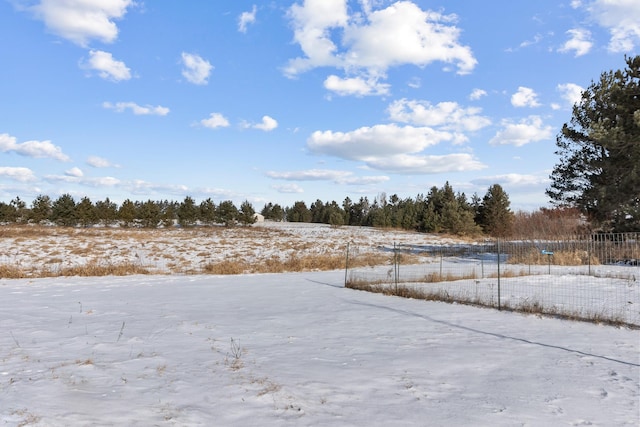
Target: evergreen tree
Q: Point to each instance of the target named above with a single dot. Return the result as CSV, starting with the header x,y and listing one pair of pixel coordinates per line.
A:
x,y
86,212
494,215
599,149
208,211
187,212
168,213
247,214
8,213
127,213
63,211
149,214
40,209
227,213
106,212
299,212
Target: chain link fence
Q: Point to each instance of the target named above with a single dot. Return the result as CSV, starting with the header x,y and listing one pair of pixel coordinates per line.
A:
x,y
594,278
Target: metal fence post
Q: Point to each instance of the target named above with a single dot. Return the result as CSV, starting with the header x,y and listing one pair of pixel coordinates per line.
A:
x,y
346,265
498,244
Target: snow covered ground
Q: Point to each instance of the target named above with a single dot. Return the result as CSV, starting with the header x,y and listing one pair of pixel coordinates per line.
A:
x,y
296,350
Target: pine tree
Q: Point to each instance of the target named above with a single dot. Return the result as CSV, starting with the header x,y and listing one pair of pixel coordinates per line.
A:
x,y
40,209
247,214
599,169
127,213
63,211
494,215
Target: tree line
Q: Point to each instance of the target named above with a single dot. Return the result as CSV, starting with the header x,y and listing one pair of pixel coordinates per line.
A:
x,y
441,210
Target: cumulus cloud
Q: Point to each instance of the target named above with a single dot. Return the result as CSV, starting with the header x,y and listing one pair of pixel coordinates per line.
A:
x,y
107,67
357,86
100,162
17,173
621,18
392,148
35,149
268,124
446,115
477,94
336,176
376,141
530,129
579,42
571,92
136,109
82,20
365,44
196,69
247,18
75,171
215,120
525,97
427,164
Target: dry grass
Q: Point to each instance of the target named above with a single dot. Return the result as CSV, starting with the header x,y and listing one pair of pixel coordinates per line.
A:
x,y
563,257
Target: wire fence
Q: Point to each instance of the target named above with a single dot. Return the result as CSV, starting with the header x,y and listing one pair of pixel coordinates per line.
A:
x,y
595,278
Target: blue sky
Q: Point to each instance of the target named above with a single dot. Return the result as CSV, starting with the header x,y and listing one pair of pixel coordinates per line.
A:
x,y
295,100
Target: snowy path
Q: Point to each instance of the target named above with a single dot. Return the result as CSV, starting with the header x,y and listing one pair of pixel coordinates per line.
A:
x,y
158,350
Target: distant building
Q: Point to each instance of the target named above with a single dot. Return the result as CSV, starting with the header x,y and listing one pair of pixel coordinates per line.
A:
x,y
258,217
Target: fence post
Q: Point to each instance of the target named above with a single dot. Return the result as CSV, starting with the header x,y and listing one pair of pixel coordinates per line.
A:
x,y
346,265
498,244
395,265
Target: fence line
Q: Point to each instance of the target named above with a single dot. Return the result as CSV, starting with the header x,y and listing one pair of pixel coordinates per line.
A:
x,y
593,278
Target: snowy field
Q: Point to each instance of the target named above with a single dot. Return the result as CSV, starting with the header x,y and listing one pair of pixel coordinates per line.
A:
x,y
609,293
296,350
292,349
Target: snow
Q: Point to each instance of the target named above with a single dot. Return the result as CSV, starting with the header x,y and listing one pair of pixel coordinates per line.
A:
x,y
296,350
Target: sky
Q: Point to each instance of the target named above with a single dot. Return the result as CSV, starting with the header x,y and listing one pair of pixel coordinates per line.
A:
x,y
284,101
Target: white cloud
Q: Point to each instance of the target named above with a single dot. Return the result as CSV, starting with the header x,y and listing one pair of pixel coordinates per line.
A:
x,y
82,20
196,69
530,129
17,173
366,45
571,92
514,180
107,67
477,94
579,42
99,162
137,109
146,188
622,19
338,177
35,149
105,181
288,188
525,97
267,124
246,18
392,148
215,120
75,172
446,115
355,86
376,141
426,164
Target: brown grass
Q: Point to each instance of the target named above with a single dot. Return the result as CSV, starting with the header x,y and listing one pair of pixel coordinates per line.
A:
x,y
566,257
